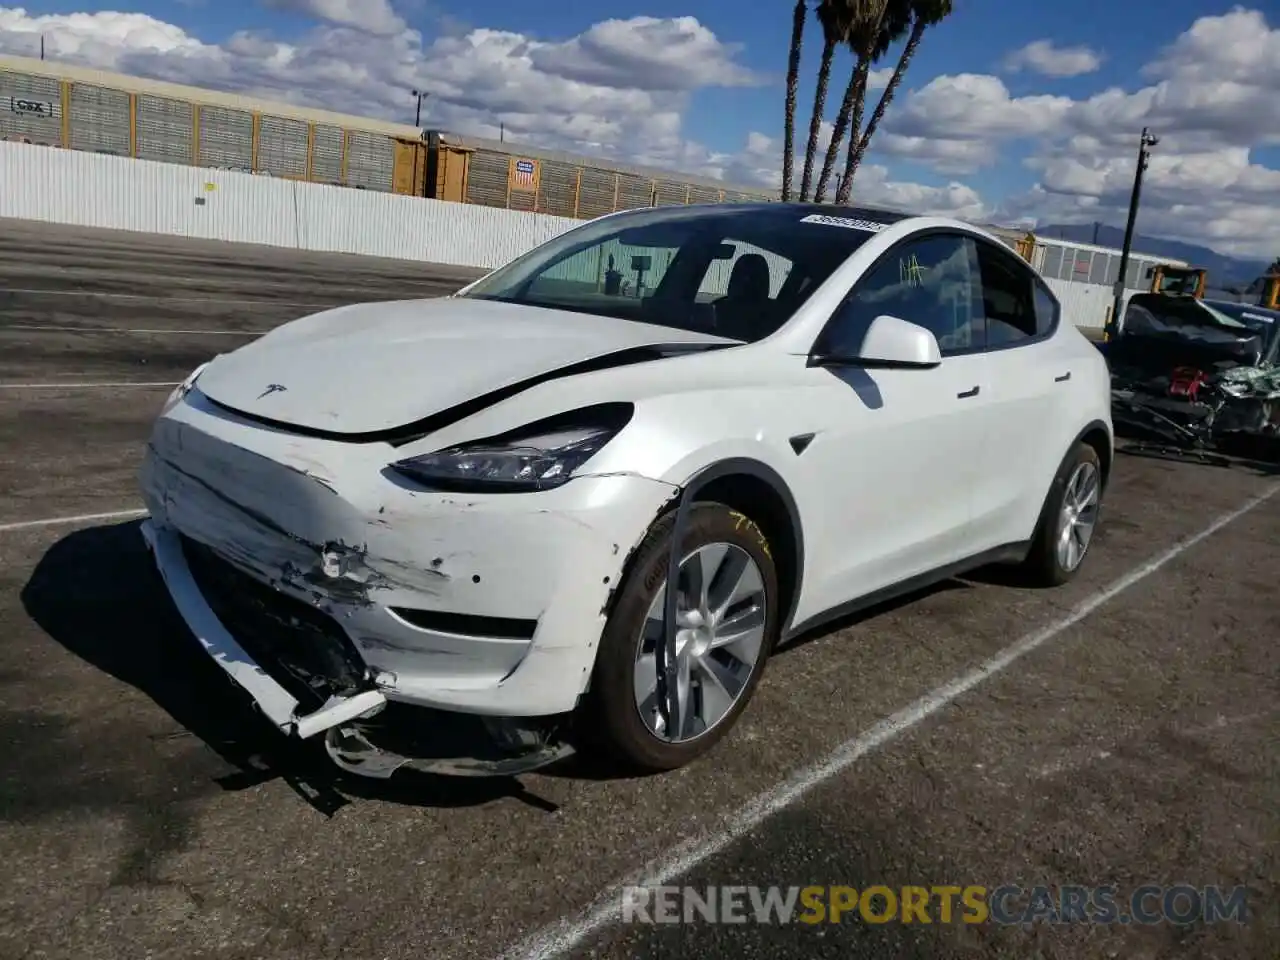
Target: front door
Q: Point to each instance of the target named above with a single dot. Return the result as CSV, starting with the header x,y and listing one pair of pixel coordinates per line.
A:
x,y
897,453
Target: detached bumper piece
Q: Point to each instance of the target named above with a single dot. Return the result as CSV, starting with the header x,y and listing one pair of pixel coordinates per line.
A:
x,y
450,744
305,675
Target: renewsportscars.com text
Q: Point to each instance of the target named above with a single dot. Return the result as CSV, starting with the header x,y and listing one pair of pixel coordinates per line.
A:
x,y
1009,904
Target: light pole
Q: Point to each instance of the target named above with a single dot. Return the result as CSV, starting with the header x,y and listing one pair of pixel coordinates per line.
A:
x,y
1145,143
421,95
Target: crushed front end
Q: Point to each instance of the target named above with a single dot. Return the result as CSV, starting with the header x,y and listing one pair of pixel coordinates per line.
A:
x,y
411,628
1197,379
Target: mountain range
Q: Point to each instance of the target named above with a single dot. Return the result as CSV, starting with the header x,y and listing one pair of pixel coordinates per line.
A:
x,y
1223,270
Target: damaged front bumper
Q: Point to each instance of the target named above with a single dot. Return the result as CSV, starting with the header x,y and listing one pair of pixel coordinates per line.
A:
x,y
353,739
336,596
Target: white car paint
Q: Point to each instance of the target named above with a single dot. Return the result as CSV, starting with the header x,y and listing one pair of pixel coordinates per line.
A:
x,y
902,476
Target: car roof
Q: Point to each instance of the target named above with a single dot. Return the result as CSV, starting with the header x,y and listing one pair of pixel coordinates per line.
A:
x,y
876,214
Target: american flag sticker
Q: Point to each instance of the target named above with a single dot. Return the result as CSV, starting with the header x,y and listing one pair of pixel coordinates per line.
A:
x,y
524,174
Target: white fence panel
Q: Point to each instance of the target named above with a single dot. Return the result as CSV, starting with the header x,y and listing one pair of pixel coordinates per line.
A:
x,y
342,220
1086,304
94,190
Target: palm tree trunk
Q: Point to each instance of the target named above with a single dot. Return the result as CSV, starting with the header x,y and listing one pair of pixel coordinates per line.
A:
x,y
851,164
855,123
837,135
793,82
815,124
854,97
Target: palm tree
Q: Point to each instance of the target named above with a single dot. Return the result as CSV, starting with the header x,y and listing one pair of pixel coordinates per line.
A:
x,y
923,14
793,81
876,25
835,18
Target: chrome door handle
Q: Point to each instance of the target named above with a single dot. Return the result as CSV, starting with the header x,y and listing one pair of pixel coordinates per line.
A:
x,y
968,393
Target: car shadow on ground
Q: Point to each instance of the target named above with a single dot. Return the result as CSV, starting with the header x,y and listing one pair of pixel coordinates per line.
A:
x,y
96,593
870,613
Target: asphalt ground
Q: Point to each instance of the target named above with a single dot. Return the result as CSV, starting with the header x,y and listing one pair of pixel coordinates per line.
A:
x,y
144,811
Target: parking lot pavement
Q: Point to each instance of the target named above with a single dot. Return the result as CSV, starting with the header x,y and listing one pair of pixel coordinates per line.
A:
x,y
145,811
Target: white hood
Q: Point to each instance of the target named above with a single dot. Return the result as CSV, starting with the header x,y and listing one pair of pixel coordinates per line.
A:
x,y
376,366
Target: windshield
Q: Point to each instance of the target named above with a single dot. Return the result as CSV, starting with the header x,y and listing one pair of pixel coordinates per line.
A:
x,y
1258,319
733,271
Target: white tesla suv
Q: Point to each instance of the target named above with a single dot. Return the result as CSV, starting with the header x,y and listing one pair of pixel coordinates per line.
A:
x,y
391,521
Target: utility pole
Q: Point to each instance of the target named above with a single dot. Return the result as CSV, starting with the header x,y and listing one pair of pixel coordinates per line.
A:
x,y
421,95
1145,143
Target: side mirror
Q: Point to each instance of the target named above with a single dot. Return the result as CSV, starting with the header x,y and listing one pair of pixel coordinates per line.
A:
x,y
890,342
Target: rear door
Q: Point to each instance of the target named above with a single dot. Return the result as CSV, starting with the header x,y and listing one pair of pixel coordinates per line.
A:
x,y
1032,397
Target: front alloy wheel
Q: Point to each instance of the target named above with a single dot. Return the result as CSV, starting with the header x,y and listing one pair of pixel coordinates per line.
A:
x,y
724,628
721,612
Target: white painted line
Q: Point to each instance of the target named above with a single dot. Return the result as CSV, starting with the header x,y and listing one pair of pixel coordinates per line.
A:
x,y
329,301
558,938
35,327
83,386
262,301
81,518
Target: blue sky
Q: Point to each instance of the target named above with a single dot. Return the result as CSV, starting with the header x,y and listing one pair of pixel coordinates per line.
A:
x,y
1067,157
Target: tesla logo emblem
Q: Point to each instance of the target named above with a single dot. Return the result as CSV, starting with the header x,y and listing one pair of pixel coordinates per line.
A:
x,y
272,388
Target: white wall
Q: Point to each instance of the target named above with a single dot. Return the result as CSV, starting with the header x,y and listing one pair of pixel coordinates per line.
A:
x,y
1086,304
94,190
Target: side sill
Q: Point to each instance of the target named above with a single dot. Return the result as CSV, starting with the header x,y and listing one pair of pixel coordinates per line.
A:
x,y
1008,553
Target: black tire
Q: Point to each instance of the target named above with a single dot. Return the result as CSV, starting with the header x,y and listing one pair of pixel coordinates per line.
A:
x,y
1042,566
610,724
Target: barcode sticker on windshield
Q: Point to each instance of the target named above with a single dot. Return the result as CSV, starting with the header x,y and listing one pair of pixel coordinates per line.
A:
x,y
850,222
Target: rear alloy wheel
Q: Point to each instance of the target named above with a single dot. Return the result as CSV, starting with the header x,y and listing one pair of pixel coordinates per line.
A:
x,y
1068,520
1078,516
724,626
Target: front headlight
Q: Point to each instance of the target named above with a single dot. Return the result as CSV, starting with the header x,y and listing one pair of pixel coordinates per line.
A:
x,y
182,389
538,457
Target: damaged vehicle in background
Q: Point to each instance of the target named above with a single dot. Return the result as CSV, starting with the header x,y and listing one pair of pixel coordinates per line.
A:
x,y
440,534
1198,377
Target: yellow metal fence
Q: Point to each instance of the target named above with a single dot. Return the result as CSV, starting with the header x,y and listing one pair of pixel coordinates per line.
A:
x,y
515,181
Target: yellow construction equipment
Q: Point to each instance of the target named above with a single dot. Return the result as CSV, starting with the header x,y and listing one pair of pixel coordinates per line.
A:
x,y
1178,281
1270,292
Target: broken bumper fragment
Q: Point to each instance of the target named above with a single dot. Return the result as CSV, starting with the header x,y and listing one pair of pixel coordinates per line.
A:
x,y
328,587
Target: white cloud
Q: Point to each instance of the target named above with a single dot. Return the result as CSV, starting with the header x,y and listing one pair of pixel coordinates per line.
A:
x,y
1211,98
96,38
645,52
375,16
957,123
1041,56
